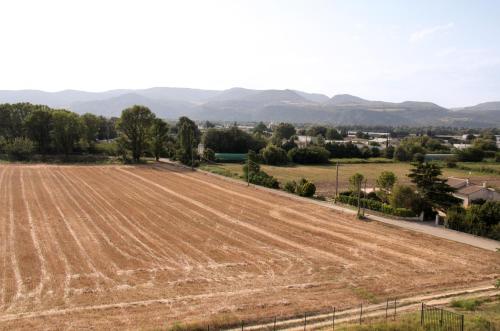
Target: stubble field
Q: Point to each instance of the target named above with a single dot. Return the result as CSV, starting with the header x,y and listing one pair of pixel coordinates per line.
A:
x,y
122,247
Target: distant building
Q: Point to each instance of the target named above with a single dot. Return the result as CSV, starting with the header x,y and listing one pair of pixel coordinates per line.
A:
x,y
468,192
461,146
304,141
464,136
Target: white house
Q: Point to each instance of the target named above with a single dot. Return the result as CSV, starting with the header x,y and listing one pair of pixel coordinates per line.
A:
x,y
304,141
468,192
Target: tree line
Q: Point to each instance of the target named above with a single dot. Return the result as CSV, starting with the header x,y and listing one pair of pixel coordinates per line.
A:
x,y
26,129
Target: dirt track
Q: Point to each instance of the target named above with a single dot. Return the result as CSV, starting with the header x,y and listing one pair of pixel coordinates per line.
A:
x,y
139,247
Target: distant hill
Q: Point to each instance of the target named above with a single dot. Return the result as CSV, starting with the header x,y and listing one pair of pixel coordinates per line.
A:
x,y
240,104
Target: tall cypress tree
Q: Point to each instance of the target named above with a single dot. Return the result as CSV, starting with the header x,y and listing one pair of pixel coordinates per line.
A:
x,y
433,189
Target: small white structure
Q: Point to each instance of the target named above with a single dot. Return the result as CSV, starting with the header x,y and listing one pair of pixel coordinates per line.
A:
x,y
201,149
461,146
468,192
304,141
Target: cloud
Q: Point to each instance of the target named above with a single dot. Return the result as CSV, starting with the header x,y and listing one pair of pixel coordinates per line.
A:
x,y
421,34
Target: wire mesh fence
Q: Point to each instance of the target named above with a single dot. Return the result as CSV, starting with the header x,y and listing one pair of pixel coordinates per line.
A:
x,y
431,319
438,319
361,314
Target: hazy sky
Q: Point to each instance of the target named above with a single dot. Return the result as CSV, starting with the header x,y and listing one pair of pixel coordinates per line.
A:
x,y
442,51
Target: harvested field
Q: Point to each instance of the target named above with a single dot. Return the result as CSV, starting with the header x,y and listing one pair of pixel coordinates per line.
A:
x,y
123,247
324,176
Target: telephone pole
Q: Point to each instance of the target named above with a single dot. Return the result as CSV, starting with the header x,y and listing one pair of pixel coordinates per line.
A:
x,y
365,197
337,183
192,157
359,199
248,168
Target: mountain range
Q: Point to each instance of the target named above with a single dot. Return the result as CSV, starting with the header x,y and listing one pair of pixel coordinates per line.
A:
x,y
240,104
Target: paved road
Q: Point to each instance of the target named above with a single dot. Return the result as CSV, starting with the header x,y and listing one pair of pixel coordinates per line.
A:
x,y
437,231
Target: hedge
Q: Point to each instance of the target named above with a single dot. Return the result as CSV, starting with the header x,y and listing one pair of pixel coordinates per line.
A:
x,y
376,206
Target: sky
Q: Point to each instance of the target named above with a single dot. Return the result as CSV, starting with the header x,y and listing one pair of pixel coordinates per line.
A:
x,y
446,52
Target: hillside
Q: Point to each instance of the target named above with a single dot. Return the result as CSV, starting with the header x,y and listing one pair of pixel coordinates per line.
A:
x,y
241,104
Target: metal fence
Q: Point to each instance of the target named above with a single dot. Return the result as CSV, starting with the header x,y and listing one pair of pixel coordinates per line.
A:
x,y
438,319
328,320
432,319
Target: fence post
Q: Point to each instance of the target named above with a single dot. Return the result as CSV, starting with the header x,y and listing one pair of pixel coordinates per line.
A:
x,y
274,328
462,323
241,325
386,309
333,319
361,313
422,315
441,318
394,318
305,321
208,327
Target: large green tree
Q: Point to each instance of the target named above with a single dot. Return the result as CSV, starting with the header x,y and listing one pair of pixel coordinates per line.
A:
x,y
159,135
91,127
232,140
385,183
284,131
135,128
188,137
333,134
432,188
66,131
39,126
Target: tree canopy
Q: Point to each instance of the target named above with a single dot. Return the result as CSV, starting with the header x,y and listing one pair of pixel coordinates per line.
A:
x,y
134,126
432,188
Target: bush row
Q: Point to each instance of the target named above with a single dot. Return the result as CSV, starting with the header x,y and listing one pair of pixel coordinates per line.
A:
x,y
376,206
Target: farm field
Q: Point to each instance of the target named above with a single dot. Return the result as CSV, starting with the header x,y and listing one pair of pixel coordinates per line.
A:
x,y
323,176
140,247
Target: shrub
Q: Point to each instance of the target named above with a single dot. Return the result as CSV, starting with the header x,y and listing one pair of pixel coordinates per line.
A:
x,y
451,164
309,155
471,154
375,205
263,179
107,148
495,233
274,155
403,196
481,220
20,148
252,165
209,154
186,158
401,154
290,186
343,150
355,182
419,157
306,190
467,304
3,144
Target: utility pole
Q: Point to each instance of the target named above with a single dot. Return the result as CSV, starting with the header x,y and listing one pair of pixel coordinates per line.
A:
x,y
337,183
248,168
365,197
359,199
192,157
